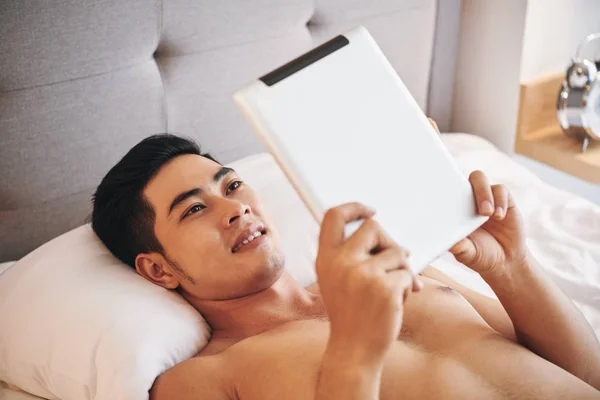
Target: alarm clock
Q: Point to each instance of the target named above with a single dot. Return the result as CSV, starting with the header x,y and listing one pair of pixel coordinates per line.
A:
x,y
578,106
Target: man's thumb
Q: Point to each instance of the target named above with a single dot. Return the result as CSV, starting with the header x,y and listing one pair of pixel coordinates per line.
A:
x,y
464,251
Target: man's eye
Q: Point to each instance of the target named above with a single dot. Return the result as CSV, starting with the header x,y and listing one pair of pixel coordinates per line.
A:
x,y
193,210
233,186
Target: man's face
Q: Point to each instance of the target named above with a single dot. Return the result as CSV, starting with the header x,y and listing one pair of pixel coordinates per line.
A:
x,y
214,232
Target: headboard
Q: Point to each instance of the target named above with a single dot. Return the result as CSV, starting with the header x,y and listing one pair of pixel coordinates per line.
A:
x,y
82,81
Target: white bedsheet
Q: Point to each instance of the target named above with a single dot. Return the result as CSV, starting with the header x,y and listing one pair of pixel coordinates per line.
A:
x,y
563,231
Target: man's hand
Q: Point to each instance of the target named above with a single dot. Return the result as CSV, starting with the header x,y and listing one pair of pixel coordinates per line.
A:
x,y
500,242
364,281
434,124
544,318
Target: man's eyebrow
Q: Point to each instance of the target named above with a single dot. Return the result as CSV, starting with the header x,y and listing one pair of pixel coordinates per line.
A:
x,y
182,197
196,191
222,172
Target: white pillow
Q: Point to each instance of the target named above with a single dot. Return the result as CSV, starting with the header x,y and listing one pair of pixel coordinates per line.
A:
x,y
10,392
6,265
78,324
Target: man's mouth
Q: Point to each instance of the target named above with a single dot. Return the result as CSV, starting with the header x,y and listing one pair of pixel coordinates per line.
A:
x,y
247,237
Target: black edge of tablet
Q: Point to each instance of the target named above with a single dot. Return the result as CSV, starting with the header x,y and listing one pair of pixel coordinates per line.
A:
x,y
304,60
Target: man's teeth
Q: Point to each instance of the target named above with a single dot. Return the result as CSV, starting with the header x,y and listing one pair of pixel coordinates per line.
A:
x,y
248,240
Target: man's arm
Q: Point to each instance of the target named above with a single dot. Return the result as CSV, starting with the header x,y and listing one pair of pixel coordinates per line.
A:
x,y
534,312
544,318
546,321
364,281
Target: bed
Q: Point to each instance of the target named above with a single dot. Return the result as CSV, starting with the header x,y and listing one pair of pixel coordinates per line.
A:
x,y
82,81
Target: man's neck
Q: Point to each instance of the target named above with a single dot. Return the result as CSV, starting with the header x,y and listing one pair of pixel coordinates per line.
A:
x,y
284,301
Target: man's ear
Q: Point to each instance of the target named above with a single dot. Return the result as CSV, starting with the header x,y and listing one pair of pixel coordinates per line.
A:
x,y
156,269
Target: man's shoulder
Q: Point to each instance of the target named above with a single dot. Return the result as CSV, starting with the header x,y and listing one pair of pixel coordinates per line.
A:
x,y
209,375
199,377
217,371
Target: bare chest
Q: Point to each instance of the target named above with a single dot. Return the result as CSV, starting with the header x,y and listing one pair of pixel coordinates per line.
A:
x,y
284,363
445,351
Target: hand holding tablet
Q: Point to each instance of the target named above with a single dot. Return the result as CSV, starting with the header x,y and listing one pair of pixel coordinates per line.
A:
x,y
344,128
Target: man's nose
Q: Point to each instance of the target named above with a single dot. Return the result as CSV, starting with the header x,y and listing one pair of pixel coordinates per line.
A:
x,y
234,210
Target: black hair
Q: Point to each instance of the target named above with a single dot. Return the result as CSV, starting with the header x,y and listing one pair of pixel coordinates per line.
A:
x,y
122,217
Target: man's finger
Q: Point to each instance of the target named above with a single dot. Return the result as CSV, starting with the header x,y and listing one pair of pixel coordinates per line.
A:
x,y
402,281
335,219
510,201
393,259
483,193
434,124
464,251
390,259
417,284
500,193
369,238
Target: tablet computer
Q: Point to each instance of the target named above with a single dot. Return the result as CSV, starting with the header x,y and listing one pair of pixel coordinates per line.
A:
x,y
343,128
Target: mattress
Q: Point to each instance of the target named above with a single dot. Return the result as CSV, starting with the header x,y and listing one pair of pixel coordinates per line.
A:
x,y
562,230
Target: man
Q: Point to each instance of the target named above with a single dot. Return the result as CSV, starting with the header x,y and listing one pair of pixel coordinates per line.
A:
x,y
369,329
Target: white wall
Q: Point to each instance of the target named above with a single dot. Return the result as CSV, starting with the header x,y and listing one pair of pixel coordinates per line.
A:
x,y
503,42
443,66
553,29
486,92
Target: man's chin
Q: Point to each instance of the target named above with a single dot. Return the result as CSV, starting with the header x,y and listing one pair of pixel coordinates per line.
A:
x,y
270,271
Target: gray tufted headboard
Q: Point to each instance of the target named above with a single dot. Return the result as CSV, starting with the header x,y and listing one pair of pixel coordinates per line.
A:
x,y
82,81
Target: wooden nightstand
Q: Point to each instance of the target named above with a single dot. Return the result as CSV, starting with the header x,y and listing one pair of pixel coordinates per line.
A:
x,y
540,137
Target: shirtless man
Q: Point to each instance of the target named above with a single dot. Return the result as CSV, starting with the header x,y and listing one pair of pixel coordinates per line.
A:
x,y
370,329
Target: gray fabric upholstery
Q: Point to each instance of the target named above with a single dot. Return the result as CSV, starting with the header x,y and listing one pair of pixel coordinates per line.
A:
x,y
403,29
199,88
48,41
191,26
82,81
